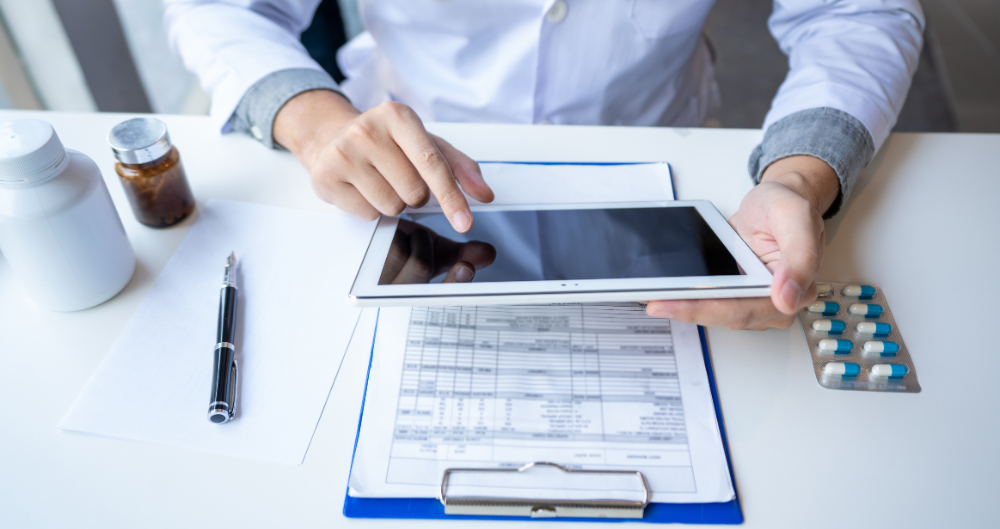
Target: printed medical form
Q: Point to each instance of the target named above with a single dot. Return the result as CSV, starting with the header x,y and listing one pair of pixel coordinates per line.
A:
x,y
588,386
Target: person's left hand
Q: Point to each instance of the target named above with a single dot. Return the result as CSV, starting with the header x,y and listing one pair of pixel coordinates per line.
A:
x,y
780,219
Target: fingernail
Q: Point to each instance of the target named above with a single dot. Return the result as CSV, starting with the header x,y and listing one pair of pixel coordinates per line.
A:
x,y
791,293
463,274
461,221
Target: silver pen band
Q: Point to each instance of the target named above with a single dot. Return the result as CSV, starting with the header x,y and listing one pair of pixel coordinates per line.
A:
x,y
220,345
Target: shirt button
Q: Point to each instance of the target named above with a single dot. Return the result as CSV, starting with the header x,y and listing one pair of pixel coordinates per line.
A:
x,y
557,12
256,132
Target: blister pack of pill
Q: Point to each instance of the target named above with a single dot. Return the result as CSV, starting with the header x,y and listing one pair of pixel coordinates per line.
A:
x,y
854,341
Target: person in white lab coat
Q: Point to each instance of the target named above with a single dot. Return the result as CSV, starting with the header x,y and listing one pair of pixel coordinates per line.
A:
x,y
594,62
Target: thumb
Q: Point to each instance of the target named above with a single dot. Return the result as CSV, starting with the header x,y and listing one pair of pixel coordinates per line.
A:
x,y
799,232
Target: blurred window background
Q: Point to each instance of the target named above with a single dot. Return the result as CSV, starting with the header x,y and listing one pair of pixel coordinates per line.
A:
x,y
112,56
93,55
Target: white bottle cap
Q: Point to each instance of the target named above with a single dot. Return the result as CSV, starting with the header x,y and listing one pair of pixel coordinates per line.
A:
x,y
30,152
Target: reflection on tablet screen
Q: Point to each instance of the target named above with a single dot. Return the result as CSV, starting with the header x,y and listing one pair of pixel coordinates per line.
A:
x,y
558,245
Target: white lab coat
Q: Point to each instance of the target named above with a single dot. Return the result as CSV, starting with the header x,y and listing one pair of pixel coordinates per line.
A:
x,y
609,62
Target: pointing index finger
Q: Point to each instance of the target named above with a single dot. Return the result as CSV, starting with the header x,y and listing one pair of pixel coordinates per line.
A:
x,y
409,133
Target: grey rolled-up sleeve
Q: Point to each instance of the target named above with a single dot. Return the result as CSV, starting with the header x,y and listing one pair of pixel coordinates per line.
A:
x,y
260,104
832,135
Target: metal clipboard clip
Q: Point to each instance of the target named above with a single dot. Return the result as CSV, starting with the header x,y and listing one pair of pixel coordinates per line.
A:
x,y
544,508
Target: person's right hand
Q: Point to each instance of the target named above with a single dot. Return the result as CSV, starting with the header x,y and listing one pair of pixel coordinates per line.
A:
x,y
379,161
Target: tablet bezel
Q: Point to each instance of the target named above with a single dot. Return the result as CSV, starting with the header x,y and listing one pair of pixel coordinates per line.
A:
x,y
366,291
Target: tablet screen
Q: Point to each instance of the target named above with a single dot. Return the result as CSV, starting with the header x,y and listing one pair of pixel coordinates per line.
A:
x,y
562,245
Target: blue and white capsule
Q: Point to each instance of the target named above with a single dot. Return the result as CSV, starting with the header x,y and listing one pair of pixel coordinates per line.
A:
x,y
830,327
865,310
824,290
859,291
876,348
837,347
826,308
889,371
841,369
874,328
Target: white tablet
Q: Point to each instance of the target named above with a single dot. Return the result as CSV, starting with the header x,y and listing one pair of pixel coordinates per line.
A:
x,y
559,253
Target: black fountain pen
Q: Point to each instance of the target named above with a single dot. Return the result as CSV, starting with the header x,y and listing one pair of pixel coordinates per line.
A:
x,y
225,375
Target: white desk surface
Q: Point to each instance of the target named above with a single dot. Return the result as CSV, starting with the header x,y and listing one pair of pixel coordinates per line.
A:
x,y
923,223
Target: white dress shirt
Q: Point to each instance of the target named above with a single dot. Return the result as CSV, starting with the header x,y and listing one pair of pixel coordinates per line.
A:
x,y
607,62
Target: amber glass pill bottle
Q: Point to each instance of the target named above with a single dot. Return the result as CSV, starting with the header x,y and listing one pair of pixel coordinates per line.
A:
x,y
151,172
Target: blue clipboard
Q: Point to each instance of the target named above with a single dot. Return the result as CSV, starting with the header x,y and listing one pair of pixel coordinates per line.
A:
x,y
431,508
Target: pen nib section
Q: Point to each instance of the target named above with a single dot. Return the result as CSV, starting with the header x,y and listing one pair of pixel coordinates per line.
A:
x,y
230,278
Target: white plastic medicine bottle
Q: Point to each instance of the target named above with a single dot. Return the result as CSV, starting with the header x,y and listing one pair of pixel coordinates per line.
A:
x,y
59,230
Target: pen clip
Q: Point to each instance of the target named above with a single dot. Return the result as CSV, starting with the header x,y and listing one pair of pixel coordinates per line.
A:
x,y
234,374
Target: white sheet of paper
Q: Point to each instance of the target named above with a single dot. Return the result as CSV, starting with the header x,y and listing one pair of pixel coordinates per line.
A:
x,y
591,386
294,323
524,183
